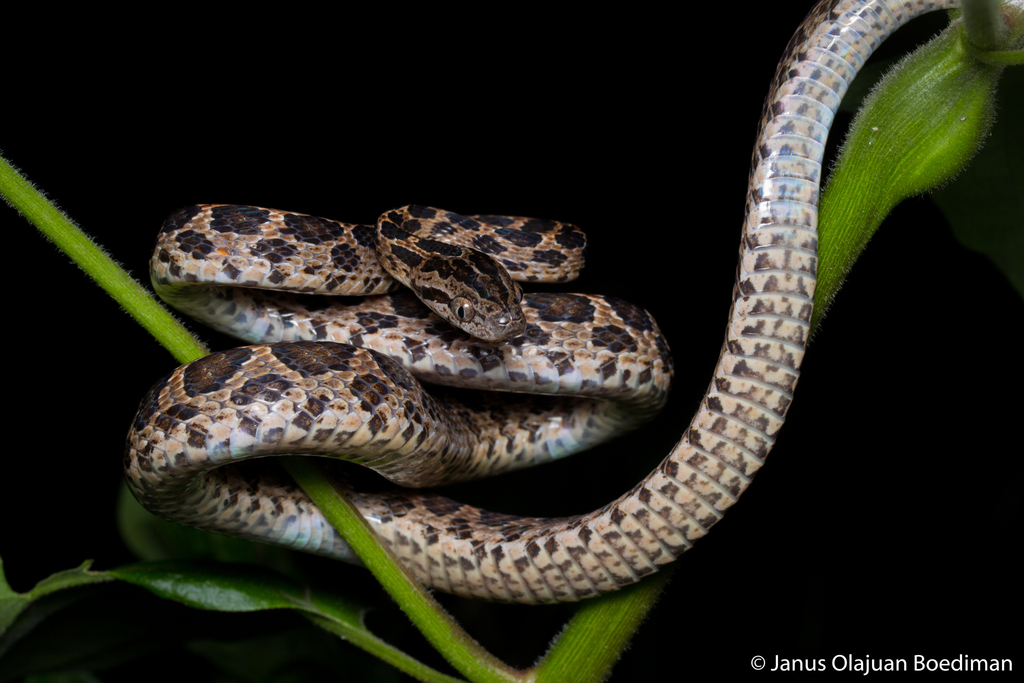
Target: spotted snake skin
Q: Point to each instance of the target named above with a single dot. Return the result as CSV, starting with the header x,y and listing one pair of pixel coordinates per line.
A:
x,y
470,552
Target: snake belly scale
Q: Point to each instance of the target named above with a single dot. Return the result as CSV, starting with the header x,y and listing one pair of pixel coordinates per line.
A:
x,y
292,394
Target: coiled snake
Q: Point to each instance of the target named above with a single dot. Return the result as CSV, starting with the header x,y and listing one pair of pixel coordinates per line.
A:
x,y
301,396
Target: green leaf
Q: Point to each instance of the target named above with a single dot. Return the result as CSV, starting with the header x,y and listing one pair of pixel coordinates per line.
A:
x,y
213,586
245,588
917,130
12,604
216,586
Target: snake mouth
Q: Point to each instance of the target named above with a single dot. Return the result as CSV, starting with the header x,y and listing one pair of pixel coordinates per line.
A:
x,y
502,329
510,327
507,322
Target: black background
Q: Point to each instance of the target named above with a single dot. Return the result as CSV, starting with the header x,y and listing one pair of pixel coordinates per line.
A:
x,y
884,522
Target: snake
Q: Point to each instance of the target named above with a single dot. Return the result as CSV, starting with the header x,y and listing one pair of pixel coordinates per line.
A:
x,y
327,378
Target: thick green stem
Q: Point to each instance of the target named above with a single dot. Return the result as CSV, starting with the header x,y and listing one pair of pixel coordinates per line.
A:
x,y
988,38
597,635
982,24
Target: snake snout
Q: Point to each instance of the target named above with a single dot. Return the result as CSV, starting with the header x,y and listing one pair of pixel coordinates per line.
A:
x,y
512,327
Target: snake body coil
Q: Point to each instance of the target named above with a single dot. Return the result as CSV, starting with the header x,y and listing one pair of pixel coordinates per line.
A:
x,y
302,396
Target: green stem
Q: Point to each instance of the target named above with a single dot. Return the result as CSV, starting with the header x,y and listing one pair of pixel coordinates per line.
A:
x,y
600,631
982,24
468,657
988,38
385,652
586,650
69,238
998,57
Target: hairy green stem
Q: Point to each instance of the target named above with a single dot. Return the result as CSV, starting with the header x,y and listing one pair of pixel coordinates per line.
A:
x,y
440,629
597,635
990,40
981,23
70,239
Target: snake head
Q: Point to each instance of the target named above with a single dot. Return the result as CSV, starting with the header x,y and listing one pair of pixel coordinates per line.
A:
x,y
472,292
463,285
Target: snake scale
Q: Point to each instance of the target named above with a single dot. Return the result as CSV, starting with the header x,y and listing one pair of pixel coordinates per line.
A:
x,y
296,395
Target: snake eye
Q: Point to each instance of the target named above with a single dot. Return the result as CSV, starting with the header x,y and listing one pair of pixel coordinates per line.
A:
x,y
519,295
462,308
